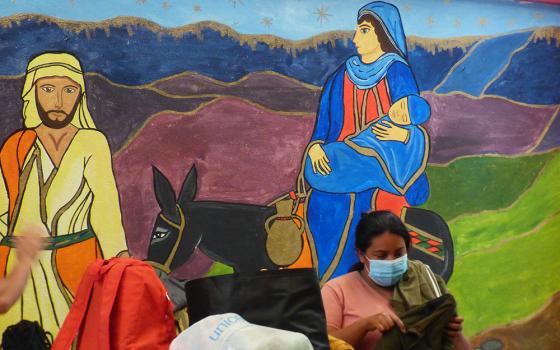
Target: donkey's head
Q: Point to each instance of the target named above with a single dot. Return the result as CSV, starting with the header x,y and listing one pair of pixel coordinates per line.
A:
x,y
170,243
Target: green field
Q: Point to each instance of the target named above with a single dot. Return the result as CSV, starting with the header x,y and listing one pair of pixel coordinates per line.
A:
x,y
509,281
486,229
506,264
474,184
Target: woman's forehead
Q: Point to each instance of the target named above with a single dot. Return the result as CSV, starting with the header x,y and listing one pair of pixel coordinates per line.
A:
x,y
387,240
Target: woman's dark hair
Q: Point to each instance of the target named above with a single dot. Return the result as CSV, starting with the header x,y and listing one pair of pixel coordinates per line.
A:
x,y
384,41
375,224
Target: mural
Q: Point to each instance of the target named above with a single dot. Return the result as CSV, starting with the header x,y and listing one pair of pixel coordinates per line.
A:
x,y
246,136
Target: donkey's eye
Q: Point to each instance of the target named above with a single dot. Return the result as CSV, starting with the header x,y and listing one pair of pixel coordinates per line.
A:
x,y
160,233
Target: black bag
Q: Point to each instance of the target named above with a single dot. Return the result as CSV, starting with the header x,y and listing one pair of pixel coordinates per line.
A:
x,y
288,299
26,335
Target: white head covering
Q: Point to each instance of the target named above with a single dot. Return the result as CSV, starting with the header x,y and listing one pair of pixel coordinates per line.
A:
x,y
51,65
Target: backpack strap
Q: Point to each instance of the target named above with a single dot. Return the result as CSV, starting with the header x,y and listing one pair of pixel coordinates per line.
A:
x,y
110,289
73,321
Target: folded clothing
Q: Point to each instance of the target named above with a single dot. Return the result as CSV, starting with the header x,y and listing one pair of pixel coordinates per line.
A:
x,y
231,332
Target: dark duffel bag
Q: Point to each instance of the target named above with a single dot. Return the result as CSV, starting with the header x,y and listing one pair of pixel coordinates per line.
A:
x,y
287,299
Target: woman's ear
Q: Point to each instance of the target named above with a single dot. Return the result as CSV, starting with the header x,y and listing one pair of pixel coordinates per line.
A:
x,y
361,256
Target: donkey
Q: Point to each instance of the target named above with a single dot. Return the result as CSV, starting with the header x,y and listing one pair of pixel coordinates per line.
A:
x,y
230,233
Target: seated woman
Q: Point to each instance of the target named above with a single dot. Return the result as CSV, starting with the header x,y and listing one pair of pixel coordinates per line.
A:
x,y
385,293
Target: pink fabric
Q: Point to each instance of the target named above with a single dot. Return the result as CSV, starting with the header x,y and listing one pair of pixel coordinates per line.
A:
x,y
349,298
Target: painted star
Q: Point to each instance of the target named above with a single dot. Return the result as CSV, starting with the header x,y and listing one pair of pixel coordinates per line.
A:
x,y
446,2
457,23
71,2
141,2
322,14
267,22
407,8
236,2
538,16
166,4
197,8
430,21
483,22
511,23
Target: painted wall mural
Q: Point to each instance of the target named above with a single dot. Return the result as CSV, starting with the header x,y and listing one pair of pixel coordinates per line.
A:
x,y
213,137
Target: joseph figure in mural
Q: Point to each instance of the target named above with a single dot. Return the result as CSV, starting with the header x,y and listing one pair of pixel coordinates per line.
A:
x,y
57,182
368,150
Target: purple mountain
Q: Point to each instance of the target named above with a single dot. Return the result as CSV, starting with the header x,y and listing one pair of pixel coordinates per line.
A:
x,y
269,89
462,125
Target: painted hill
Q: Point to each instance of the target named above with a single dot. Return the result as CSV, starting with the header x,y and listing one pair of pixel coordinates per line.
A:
x,y
165,51
431,63
532,75
462,125
552,137
148,52
268,89
474,184
490,245
242,152
483,63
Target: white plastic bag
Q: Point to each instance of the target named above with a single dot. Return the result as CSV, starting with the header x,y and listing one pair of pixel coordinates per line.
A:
x,y
231,332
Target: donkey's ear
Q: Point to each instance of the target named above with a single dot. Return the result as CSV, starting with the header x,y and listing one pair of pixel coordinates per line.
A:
x,y
188,191
165,195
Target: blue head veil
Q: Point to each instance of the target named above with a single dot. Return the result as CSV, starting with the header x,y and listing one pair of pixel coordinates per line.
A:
x,y
367,75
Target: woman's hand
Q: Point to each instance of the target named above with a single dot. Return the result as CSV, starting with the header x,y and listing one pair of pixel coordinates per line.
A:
x,y
28,248
384,321
454,327
399,112
455,334
319,160
387,131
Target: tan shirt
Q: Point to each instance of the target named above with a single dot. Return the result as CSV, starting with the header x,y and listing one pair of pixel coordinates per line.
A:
x,y
349,298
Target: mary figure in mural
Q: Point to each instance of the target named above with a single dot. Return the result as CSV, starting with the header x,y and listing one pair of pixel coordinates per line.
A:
x,y
368,150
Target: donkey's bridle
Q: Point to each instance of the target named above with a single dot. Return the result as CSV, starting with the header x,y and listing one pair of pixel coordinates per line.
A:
x,y
180,227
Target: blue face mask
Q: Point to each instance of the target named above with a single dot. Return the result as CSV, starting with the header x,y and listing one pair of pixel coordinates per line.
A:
x,y
387,273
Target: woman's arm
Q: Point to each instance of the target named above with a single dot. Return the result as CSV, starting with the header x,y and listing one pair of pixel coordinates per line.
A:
x,y
11,287
354,333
